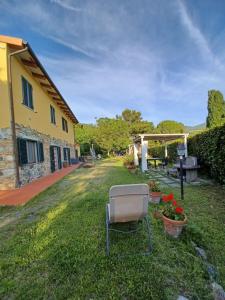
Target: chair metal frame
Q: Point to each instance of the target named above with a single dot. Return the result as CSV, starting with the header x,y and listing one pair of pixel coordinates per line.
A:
x,y
146,219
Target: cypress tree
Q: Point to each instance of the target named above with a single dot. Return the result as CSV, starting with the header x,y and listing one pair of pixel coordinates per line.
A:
x,y
216,109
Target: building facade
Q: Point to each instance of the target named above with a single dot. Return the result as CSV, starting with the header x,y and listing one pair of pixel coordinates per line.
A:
x,y
36,124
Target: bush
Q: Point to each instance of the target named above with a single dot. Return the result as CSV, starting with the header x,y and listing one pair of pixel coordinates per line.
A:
x,y
209,147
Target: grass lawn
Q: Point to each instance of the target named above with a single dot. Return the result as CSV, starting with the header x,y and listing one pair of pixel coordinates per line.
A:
x,y
54,247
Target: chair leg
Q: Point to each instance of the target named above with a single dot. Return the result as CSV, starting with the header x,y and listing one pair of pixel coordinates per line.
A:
x,y
107,232
148,225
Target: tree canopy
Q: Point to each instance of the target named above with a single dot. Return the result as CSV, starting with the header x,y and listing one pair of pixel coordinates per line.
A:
x,y
131,116
135,122
216,109
112,134
169,126
115,134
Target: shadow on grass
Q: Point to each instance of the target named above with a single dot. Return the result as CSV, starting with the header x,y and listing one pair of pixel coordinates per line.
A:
x,y
61,253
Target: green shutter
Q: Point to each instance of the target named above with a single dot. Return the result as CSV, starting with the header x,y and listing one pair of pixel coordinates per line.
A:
x,y
59,157
22,151
52,159
69,155
40,152
31,104
24,89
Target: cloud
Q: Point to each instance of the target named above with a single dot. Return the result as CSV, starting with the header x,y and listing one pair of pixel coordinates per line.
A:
x,y
126,54
196,34
66,5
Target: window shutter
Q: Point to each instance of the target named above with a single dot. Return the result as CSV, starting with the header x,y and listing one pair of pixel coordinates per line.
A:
x,y
24,88
22,152
59,158
69,155
18,149
64,154
40,152
52,159
31,96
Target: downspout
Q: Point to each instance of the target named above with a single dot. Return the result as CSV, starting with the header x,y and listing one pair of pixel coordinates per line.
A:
x,y
12,121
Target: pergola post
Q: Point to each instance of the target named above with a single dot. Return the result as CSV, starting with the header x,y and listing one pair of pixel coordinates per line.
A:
x,y
136,161
144,154
185,144
166,150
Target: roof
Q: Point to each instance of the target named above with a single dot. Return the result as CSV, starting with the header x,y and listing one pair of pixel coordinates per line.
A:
x,y
35,68
160,136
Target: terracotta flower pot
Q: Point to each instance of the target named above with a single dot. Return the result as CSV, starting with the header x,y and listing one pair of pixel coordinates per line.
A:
x,y
172,227
155,197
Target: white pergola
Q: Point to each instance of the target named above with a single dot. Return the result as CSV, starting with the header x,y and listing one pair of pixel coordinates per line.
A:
x,y
142,139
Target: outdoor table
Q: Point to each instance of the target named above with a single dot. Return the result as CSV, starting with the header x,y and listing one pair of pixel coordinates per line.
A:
x,y
155,159
191,172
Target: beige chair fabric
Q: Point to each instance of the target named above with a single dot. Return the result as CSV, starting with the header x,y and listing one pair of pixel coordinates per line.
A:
x,y
128,202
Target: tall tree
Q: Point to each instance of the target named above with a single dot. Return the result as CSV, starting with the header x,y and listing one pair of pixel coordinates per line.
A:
x,y
112,134
216,109
169,126
85,133
131,116
135,122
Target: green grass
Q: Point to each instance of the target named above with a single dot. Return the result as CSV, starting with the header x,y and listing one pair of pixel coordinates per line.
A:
x,y
54,247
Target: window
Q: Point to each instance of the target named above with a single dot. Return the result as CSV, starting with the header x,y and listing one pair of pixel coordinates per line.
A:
x,y
64,125
27,93
29,151
52,114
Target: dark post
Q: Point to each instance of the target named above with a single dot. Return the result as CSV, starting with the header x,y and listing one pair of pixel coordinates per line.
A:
x,y
181,178
181,153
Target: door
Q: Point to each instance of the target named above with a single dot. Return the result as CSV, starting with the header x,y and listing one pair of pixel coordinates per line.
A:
x,y
55,158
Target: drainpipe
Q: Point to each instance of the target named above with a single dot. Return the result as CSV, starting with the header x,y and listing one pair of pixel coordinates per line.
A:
x,y
12,121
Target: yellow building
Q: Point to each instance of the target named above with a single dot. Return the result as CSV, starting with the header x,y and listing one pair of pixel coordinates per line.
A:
x,y
36,124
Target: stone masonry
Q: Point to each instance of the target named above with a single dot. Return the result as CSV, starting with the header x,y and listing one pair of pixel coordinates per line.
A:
x,y
7,164
28,172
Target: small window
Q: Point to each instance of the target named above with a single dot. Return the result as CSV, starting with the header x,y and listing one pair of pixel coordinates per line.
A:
x,y
27,93
64,125
52,114
31,151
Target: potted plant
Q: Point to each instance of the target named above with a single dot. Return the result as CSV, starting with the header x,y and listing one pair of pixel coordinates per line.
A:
x,y
155,194
173,216
65,164
129,163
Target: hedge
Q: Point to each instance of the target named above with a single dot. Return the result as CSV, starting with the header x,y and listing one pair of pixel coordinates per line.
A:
x,y
208,147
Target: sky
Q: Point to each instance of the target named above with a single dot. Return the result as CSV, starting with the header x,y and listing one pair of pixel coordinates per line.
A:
x,y
158,57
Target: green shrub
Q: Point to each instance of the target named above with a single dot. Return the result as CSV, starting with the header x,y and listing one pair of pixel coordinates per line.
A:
x,y
128,160
209,147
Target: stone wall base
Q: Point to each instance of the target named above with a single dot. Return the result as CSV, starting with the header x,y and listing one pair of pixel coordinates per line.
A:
x,y
28,172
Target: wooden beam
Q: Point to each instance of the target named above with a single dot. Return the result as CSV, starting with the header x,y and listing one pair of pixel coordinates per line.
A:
x,y
45,85
40,76
29,63
57,99
52,93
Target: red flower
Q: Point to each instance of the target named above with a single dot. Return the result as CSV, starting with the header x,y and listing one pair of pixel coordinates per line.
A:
x,y
179,210
174,203
165,198
170,197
